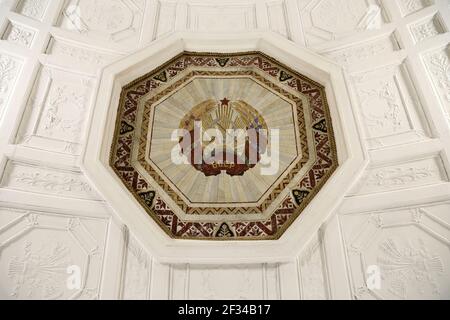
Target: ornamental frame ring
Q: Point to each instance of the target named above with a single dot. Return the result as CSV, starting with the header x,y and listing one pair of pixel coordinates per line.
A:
x,y
352,157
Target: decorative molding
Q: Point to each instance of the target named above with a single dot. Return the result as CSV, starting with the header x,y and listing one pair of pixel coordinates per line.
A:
x,y
278,18
138,272
166,18
56,111
439,68
410,247
34,9
9,72
427,29
38,248
60,50
402,175
34,178
408,7
327,20
390,109
222,18
226,282
117,21
312,273
405,263
372,48
19,34
410,244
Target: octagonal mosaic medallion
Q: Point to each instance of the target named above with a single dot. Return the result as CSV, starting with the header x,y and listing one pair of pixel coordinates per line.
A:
x,y
223,146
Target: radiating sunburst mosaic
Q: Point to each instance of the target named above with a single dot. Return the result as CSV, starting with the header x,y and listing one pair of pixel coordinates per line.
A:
x,y
275,152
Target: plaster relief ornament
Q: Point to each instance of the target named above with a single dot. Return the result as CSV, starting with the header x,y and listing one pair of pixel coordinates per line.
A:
x,y
223,146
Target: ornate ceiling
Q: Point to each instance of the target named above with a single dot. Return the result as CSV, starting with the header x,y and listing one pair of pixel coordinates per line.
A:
x,y
232,197
384,66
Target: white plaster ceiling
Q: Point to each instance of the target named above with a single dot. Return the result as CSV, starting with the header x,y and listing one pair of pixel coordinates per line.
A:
x,y
395,54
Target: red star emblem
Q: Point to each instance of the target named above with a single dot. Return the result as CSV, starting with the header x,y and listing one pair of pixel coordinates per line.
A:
x,y
225,101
